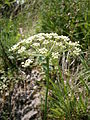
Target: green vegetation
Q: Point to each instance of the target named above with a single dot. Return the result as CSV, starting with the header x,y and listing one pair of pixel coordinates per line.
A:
x,y
55,36
67,17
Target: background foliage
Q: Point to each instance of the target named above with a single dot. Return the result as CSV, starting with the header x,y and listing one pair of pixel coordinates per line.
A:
x,y
67,17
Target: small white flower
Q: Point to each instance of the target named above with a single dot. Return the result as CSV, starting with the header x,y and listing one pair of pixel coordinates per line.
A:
x,y
22,49
57,37
36,44
4,86
43,51
73,44
64,38
69,94
55,55
54,34
59,44
48,36
46,42
77,51
14,47
22,63
27,63
28,41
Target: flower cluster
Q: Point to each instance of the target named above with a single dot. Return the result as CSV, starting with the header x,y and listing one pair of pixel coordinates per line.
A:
x,y
27,63
45,44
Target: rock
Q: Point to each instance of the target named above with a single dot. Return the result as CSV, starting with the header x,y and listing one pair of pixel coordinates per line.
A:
x,y
36,102
26,98
29,115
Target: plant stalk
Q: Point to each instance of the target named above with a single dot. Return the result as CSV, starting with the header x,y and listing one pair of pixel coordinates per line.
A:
x,y
47,86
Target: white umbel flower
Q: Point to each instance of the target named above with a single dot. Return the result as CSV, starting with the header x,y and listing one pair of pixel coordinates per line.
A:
x,y
45,44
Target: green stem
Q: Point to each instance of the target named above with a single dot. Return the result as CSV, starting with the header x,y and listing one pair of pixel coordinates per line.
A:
x,y
47,85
